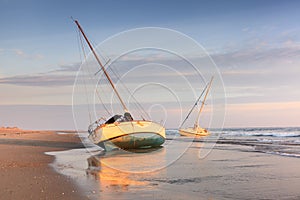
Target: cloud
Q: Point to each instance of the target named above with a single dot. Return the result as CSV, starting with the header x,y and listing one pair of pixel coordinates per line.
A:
x,y
261,65
261,70
267,45
258,54
22,54
246,29
73,67
19,52
65,74
62,76
39,80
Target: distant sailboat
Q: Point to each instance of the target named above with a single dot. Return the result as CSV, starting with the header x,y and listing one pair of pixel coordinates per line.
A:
x,y
196,130
122,130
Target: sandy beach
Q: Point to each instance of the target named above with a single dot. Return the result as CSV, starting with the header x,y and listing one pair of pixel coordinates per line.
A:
x,y
25,172
234,169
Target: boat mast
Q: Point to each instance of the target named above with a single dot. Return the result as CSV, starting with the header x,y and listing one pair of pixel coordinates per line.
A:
x,y
197,119
102,67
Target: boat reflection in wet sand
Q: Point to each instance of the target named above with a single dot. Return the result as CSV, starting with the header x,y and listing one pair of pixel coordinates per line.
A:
x,y
109,178
116,170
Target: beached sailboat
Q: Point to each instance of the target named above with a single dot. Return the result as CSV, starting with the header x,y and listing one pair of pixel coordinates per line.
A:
x,y
123,131
196,131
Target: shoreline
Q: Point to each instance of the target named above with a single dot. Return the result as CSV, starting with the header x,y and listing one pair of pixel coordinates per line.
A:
x,y
25,168
229,171
229,168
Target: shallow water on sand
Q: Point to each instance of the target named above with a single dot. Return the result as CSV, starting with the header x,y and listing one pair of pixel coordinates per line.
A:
x,y
234,169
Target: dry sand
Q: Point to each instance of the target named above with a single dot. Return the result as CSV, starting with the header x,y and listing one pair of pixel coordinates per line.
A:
x,y
25,172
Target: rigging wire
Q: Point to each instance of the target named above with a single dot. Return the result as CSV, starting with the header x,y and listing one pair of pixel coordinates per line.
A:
x,y
84,82
90,74
103,94
196,103
138,106
136,103
106,60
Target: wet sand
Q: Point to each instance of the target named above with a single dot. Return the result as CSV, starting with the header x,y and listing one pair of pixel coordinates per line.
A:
x,y
231,171
25,172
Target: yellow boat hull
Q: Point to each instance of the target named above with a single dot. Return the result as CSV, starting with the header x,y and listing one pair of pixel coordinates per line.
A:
x,y
129,135
192,132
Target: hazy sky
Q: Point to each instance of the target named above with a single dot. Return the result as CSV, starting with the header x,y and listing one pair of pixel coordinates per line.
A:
x,y
255,44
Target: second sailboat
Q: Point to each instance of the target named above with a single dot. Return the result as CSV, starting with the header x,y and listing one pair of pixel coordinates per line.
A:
x,y
197,130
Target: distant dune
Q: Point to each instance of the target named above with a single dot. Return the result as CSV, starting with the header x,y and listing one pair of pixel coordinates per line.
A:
x,y
15,130
4,130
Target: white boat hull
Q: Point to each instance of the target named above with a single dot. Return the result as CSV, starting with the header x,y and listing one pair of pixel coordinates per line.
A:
x,y
129,135
192,132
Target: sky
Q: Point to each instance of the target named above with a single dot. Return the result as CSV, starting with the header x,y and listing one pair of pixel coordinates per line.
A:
x,y
254,44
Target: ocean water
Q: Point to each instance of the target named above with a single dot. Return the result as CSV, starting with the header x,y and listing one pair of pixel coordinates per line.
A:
x,y
283,141
279,141
238,163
